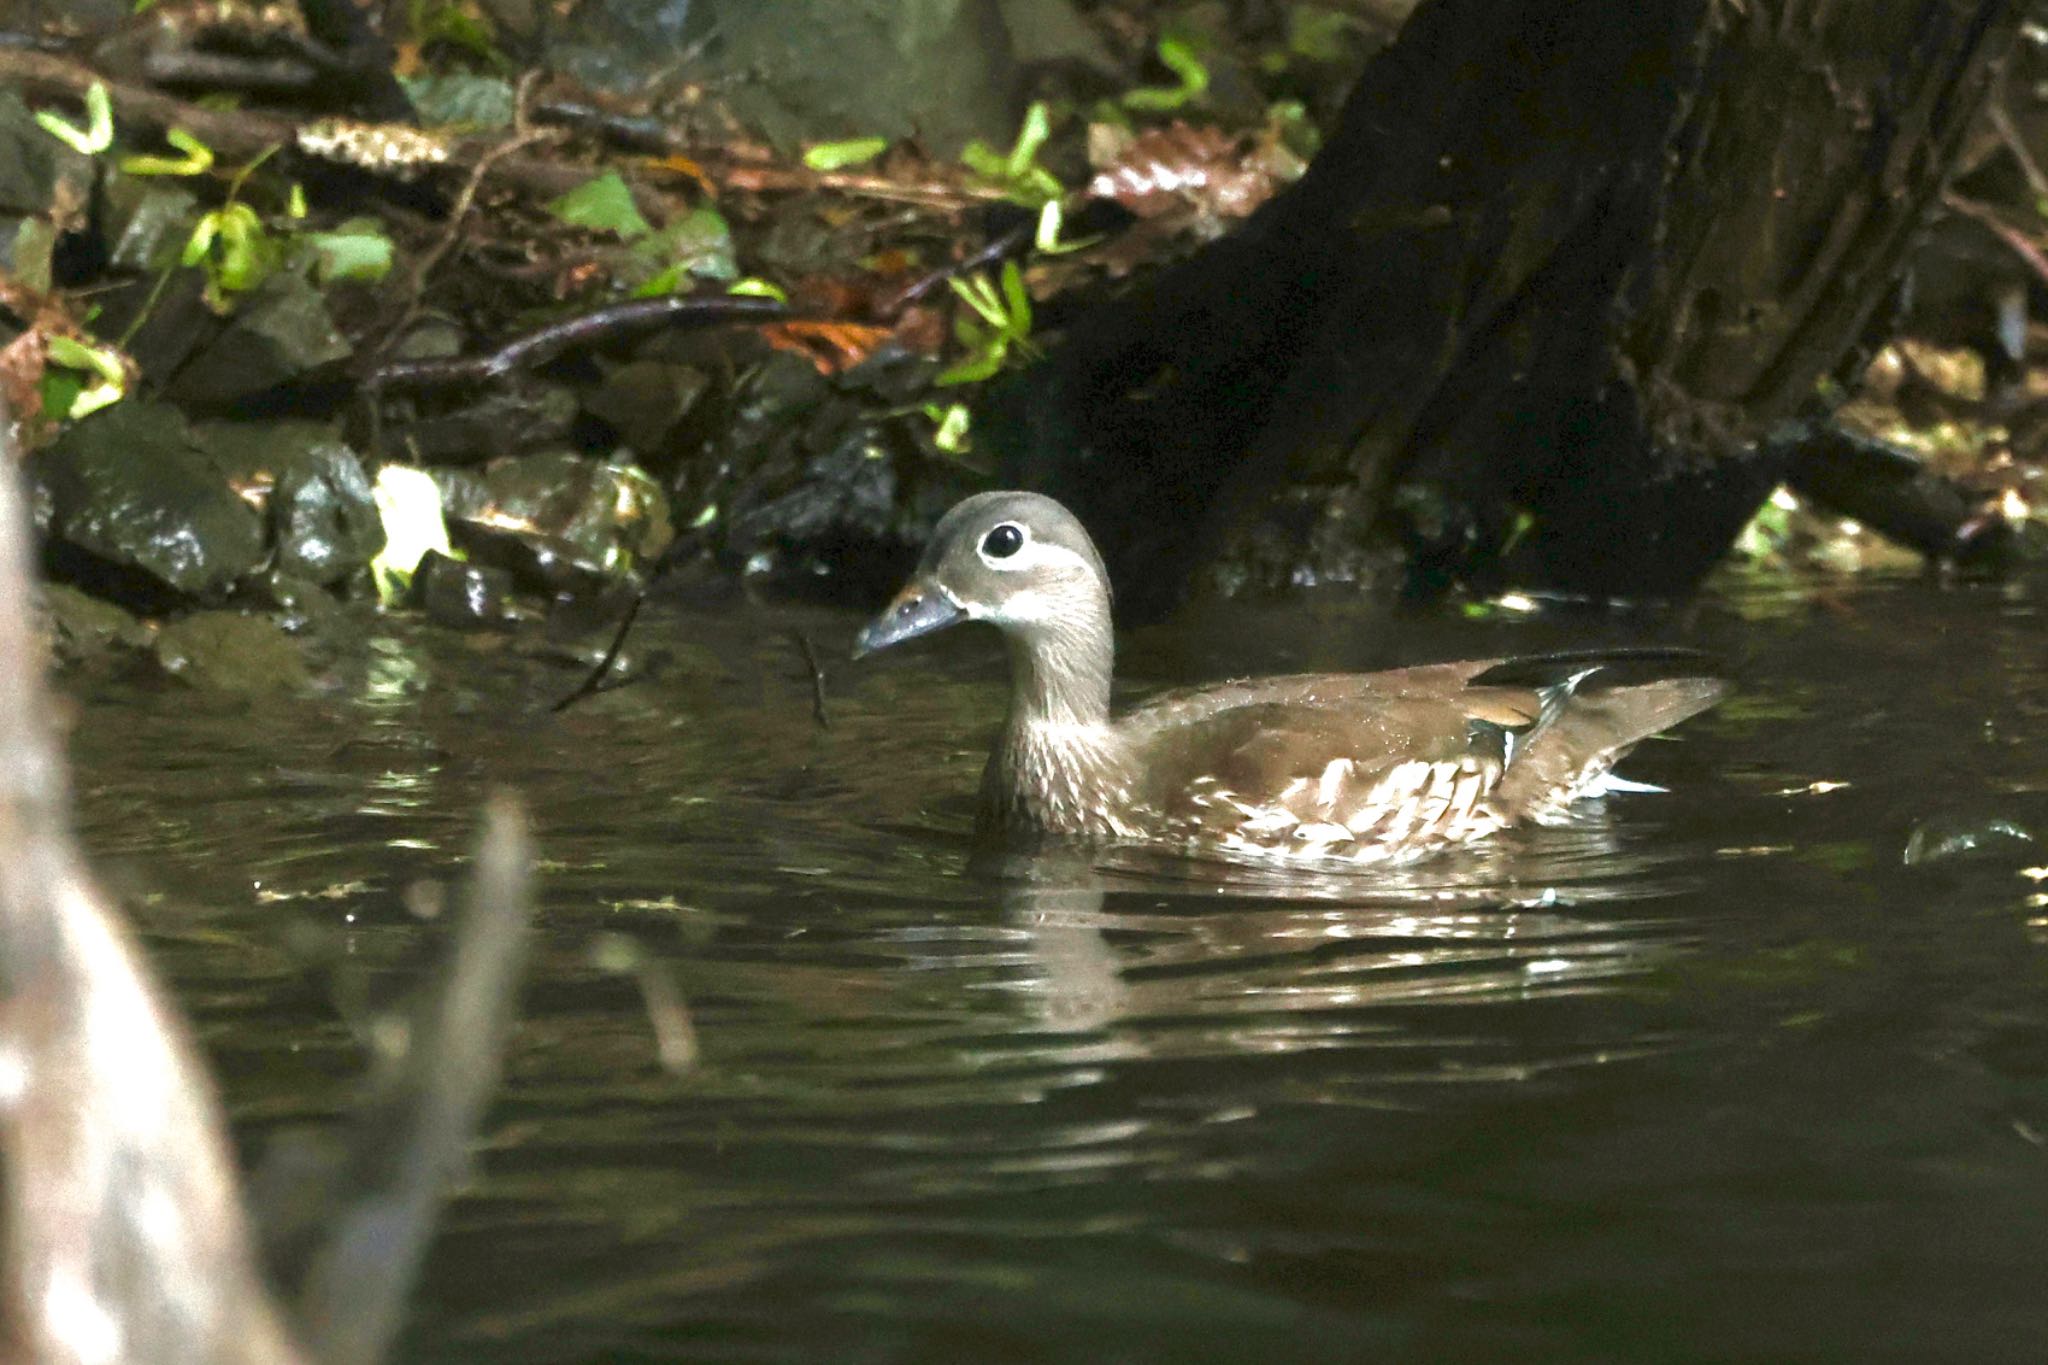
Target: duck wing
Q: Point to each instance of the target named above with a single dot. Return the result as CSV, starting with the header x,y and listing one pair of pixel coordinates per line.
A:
x,y
1370,765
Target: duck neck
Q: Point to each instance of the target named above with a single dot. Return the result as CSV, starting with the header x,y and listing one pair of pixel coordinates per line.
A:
x,y
1059,765
1059,675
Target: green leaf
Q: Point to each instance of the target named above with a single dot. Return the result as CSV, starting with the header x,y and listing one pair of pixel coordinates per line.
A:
x,y
197,158
757,288
357,250
833,156
952,426
97,360
661,282
698,244
975,368
1179,58
460,99
604,204
87,379
409,505
59,390
1017,172
243,259
1031,139
98,133
201,240
1018,298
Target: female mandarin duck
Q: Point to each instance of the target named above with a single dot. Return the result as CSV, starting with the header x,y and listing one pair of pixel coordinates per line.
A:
x,y
1358,766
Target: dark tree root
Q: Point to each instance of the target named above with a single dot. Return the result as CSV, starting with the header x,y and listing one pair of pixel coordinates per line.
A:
x,y
1894,494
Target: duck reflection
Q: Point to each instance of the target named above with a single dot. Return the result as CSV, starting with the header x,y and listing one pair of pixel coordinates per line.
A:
x,y
1173,957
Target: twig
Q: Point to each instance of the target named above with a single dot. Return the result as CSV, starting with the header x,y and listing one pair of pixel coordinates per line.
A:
x,y
409,1145
593,683
2023,246
1002,248
523,134
2001,121
803,644
544,343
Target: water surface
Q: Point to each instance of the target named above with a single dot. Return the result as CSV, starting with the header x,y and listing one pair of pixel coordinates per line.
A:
x,y
1711,1075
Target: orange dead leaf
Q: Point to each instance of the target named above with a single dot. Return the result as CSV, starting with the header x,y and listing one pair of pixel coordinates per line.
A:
x,y
678,164
831,346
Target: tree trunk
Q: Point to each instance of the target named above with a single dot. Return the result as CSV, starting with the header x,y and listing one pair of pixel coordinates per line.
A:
x,y
1533,311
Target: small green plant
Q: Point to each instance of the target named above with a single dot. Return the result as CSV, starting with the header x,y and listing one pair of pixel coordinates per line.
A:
x,y
231,245
197,158
80,379
1004,326
835,156
952,429
1017,172
1177,56
98,133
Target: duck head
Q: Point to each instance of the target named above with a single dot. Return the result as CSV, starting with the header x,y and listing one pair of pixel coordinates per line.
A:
x,y
1019,561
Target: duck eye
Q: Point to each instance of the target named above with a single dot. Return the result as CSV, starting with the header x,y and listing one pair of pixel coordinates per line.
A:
x,y
1004,541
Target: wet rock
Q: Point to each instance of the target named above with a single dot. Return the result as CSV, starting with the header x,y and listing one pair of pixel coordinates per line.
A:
x,y
40,176
453,592
321,512
128,487
938,70
1942,838
561,521
643,400
28,251
497,424
893,373
281,330
164,326
224,651
146,221
299,605
84,627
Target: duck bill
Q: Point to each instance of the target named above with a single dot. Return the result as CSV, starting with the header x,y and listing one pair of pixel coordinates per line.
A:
x,y
919,609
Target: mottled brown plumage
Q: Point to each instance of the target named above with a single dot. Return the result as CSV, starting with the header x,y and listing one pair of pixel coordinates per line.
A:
x,y
1356,766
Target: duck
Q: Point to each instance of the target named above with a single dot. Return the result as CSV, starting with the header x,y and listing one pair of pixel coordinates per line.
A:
x,y
1352,767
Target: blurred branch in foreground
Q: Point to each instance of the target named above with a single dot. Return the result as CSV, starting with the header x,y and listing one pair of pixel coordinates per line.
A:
x,y
122,1230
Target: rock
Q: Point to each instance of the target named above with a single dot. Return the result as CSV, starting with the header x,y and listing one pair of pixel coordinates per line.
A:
x,y
466,596
40,177
127,486
812,70
299,605
224,651
82,626
281,330
164,326
322,514
148,220
499,422
644,399
570,520
1943,837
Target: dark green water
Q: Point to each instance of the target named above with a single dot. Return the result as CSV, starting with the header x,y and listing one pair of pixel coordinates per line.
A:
x,y
1715,1075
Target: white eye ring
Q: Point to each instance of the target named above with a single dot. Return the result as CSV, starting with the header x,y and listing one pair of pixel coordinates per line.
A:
x,y
998,549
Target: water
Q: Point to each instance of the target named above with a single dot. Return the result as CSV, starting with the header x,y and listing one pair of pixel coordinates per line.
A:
x,y
1711,1075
